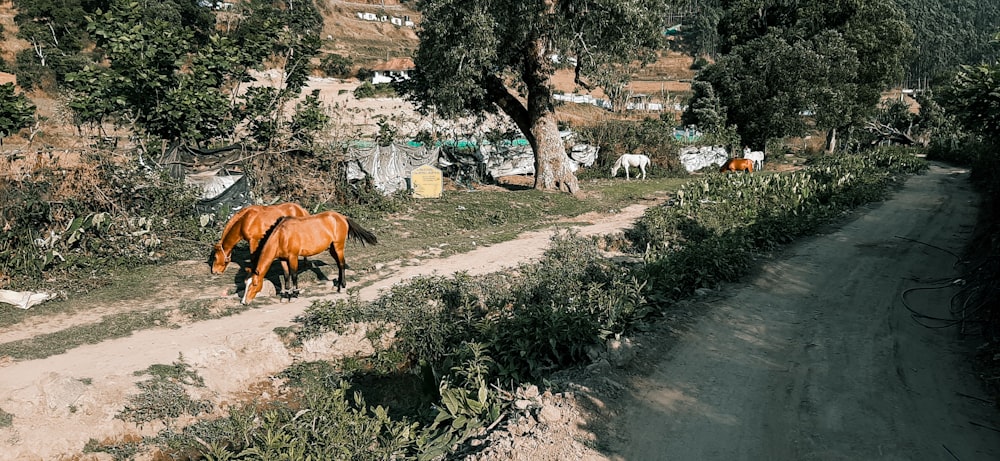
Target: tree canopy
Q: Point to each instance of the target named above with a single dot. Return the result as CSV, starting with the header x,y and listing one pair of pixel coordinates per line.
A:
x,y
780,61
174,77
972,97
949,33
500,55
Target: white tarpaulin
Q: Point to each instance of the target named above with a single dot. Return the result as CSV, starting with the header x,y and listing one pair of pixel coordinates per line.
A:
x,y
23,299
388,166
696,158
210,183
463,161
508,161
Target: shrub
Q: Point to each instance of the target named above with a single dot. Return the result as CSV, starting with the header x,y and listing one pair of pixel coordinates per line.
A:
x,y
710,233
462,332
16,111
364,90
101,216
335,65
651,136
368,90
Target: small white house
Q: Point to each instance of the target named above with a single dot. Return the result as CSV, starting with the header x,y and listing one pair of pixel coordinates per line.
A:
x,y
388,71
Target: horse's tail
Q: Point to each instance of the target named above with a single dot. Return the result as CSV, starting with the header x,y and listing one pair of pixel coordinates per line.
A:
x,y
359,233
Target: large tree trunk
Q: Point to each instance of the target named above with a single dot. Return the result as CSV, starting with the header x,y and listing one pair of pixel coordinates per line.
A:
x,y
552,165
537,121
831,140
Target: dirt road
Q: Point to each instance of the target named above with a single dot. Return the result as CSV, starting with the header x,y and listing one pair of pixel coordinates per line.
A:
x,y
816,358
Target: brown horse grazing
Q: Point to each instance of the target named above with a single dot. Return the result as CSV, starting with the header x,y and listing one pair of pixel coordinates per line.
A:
x,y
305,236
737,164
250,224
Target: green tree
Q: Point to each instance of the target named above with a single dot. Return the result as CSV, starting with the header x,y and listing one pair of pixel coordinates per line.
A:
x,y
705,109
699,36
308,120
335,65
57,32
174,78
477,57
949,33
782,60
16,111
973,98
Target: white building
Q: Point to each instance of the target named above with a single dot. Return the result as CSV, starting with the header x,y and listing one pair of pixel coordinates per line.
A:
x,y
398,68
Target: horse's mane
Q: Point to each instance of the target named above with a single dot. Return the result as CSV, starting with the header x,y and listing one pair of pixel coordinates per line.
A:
x,y
255,256
233,222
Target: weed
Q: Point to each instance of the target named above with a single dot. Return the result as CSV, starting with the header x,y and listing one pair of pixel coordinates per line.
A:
x,y
115,326
6,419
119,451
162,397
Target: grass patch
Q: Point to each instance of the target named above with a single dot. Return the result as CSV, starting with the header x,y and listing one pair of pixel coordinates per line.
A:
x,y
163,396
6,419
460,221
112,326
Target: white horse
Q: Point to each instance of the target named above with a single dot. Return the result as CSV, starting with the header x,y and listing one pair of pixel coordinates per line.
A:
x,y
757,157
628,160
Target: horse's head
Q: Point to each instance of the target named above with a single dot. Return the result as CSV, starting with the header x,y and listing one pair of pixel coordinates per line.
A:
x,y
253,285
220,259
614,170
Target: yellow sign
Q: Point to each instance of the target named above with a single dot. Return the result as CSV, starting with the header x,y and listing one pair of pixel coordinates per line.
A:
x,y
427,182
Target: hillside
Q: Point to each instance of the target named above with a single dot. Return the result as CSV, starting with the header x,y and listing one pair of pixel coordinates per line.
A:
x,y
366,43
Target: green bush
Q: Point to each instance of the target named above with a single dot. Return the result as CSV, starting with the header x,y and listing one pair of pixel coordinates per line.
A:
x,y
652,137
369,90
101,216
6,419
16,111
335,65
718,222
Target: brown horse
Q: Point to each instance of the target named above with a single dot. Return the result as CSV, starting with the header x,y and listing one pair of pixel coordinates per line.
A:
x,y
305,236
737,164
250,224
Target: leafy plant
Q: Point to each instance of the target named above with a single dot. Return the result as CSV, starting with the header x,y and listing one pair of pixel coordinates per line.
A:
x,y
335,65
6,419
163,397
308,120
16,111
467,404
